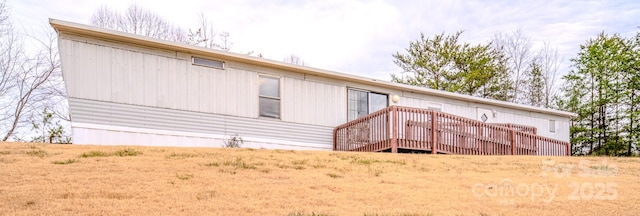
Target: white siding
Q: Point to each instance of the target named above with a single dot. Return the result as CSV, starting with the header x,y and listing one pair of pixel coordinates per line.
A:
x,y
115,135
503,115
313,102
131,119
132,76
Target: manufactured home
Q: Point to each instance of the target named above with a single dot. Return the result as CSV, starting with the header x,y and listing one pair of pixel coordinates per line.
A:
x,y
127,89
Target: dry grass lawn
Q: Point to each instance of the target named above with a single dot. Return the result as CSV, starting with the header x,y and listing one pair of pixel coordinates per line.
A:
x,y
39,179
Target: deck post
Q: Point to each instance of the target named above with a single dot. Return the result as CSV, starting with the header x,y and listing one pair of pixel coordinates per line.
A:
x,y
481,144
394,139
513,141
335,139
434,132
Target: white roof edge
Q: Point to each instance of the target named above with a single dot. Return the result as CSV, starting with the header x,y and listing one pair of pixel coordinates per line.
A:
x,y
71,27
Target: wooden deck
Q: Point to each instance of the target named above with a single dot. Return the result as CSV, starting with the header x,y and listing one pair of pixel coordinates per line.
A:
x,y
403,129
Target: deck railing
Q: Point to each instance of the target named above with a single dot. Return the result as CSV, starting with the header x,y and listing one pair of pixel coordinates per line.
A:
x,y
407,128
517,127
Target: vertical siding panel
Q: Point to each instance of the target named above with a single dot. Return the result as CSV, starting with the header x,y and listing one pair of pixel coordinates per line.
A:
x,y
150,77
315,100
341,108
118,76
306,99
323,91
563,130
103,62
325,105
108,75
311,102
68,53
163,73
214,80
232,97
193,75
287,98
204,90
86,60
293,103
333,112
80,60
137,78
219,80
238,93
291,100
300,102
252,95
127,91
178,85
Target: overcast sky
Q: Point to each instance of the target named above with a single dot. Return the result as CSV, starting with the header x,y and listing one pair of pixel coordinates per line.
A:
x,y
359,37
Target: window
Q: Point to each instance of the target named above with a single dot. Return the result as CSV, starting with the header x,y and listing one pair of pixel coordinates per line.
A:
x,y
269,97
207,62
362,102
552,126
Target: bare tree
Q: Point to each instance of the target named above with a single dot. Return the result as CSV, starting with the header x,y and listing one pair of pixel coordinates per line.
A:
x,y
225,43
549,63
295,59
517,49
105,17
10,49
36,86
206,34
137,20
30,82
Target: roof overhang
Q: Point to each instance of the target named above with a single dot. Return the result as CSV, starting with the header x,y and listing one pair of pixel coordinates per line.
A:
x,y
92,31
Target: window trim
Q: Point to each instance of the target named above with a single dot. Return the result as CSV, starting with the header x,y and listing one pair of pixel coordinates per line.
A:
x,y
193,62
270,97
553,129
368,98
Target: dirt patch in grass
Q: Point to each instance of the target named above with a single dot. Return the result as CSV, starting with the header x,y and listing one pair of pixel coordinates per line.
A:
x,y
51,180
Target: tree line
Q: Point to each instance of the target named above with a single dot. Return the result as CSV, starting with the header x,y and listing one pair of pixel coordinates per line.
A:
x,y
603,87
507,68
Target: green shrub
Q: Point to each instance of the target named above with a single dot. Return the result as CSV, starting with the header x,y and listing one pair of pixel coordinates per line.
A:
x,y
299,162
182,155
185,176
38,153
95,154
70,161
333,175
214,164
127,152
239,163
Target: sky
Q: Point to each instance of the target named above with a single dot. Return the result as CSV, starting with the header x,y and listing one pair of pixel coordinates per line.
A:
x,y
359,37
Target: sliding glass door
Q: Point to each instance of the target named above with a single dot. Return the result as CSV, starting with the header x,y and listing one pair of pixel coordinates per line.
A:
x,y
362,102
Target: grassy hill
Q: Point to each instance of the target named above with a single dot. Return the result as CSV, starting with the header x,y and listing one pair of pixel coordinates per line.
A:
x,y
39,179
